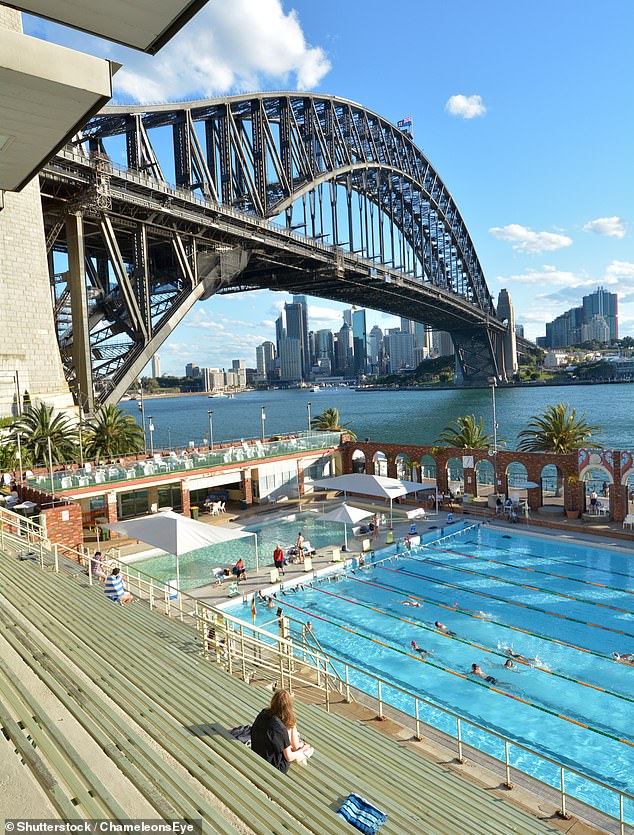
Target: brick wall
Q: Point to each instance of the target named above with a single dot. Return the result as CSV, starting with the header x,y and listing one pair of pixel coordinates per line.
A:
x,y
62,522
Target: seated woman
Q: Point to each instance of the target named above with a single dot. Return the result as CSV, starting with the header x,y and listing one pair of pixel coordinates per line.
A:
x,y
274,734
239,570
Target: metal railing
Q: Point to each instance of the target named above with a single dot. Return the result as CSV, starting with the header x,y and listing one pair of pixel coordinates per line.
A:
x,y
248,649
226,455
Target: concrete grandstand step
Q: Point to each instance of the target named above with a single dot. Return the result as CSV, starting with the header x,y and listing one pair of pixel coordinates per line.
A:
x,y
171,686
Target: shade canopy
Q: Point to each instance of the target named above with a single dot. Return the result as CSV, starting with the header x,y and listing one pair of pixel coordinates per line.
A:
x,y
47,93
523,485
370,485
176,534
347,514
134,23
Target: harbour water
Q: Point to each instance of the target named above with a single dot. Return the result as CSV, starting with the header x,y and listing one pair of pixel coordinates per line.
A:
x,y
416,417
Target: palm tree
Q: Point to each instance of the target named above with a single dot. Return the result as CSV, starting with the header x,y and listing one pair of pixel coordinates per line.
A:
x,y
39,424
111,431
466,433
558,430
328,421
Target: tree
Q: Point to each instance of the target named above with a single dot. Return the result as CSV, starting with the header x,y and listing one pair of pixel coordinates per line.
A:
x,y
557,429
328,421
466,433
111,431
39,424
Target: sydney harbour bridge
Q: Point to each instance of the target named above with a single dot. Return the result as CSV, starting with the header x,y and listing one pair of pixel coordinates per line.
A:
x,y
286,191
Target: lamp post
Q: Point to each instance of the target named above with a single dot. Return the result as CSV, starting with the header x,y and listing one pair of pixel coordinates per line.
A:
x,y
211,429
151,428
17,435
263,419
169,438
308,410
50,465
493,383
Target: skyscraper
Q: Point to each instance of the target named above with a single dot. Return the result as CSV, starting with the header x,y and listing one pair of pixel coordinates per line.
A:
x,y
265,362
359,341
290,356
301,300
375,350
568,328
605,304
399,346
344,351
297,328
156,366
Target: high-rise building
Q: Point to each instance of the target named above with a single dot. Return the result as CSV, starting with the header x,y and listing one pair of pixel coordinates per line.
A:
x,y
324,345
519,331
192,370
297,328
568,328
239,368
375,350
265,362
344,351
596,330
359,341
290,356
306,354
442,344
156,366
399,347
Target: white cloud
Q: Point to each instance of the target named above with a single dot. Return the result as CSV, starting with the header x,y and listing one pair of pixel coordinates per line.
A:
x,y
548,276
621,273
467,107
524,239
611,227
229,45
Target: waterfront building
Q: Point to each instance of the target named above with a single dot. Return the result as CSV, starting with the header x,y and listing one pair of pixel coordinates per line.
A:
x,y
239,368
265,362
359,341
156,366
399,347
290,356
568,328
297,328
344,351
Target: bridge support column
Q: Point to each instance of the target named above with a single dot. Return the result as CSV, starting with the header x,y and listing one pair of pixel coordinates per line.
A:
x,y
476,355
79,311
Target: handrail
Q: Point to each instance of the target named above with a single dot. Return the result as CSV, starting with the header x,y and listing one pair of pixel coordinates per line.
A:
x,y
257,639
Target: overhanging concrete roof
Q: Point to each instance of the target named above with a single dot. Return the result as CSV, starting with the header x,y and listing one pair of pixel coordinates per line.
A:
x,y
141,24
47,93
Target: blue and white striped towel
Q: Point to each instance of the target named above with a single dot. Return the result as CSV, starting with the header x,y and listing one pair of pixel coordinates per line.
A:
x,y
361,814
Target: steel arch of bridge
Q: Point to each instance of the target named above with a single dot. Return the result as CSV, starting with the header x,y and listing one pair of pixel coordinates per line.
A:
x,y
379,227
261,153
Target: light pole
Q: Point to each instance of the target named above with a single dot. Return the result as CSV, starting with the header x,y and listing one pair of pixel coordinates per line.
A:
x,y
493,383
263,419
308,410
169,438
50,465
211,429
17,435
151,428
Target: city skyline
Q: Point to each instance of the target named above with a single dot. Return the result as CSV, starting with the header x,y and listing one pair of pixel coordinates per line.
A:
x,y
509,145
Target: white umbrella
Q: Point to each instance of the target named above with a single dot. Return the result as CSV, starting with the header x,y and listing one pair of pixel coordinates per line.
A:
x,y
370,485
347,514
177,534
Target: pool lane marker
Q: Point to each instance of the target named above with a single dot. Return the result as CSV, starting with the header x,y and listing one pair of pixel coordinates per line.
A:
x,y
451,567
454,673
535,571
565,562
403,571
480,646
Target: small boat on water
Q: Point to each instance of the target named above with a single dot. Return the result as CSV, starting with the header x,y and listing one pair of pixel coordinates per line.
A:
x,y
315,388
214,395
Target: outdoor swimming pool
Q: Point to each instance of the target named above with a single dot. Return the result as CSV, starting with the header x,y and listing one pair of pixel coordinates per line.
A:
x,y
566,606
196,568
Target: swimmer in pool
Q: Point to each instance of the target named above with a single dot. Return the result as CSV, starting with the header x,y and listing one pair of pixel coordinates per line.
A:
x,y
443,628
476,671
624,658
420,650
518,656
409,602
509,665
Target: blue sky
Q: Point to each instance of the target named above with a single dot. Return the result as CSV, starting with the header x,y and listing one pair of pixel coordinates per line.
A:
x,y
525,110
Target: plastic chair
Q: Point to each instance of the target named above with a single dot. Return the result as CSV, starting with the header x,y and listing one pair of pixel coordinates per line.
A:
x,y
232,590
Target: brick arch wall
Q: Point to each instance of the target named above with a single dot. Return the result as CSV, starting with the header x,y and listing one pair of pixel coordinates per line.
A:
x,y
533,461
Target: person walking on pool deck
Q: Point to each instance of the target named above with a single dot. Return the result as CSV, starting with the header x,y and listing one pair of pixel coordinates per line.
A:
x,y
274,734
114,588
278,559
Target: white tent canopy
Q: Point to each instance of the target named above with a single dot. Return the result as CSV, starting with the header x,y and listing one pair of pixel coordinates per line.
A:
x,y
370,485
176,534
348,515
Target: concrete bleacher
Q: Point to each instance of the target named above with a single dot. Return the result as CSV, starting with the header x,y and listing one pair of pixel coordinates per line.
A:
x,y
145,728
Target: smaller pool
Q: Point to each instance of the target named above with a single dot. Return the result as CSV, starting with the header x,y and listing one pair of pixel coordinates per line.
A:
x,y
196,568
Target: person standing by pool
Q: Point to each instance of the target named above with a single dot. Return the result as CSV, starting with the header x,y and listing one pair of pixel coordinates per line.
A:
x,y
278,559
299,545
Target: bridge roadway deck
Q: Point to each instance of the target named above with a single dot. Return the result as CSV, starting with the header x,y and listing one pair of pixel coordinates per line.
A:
x,y
280,259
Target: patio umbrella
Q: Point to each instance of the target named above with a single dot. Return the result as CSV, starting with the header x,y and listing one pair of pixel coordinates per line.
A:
x,y
370,485
178,535
347,514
